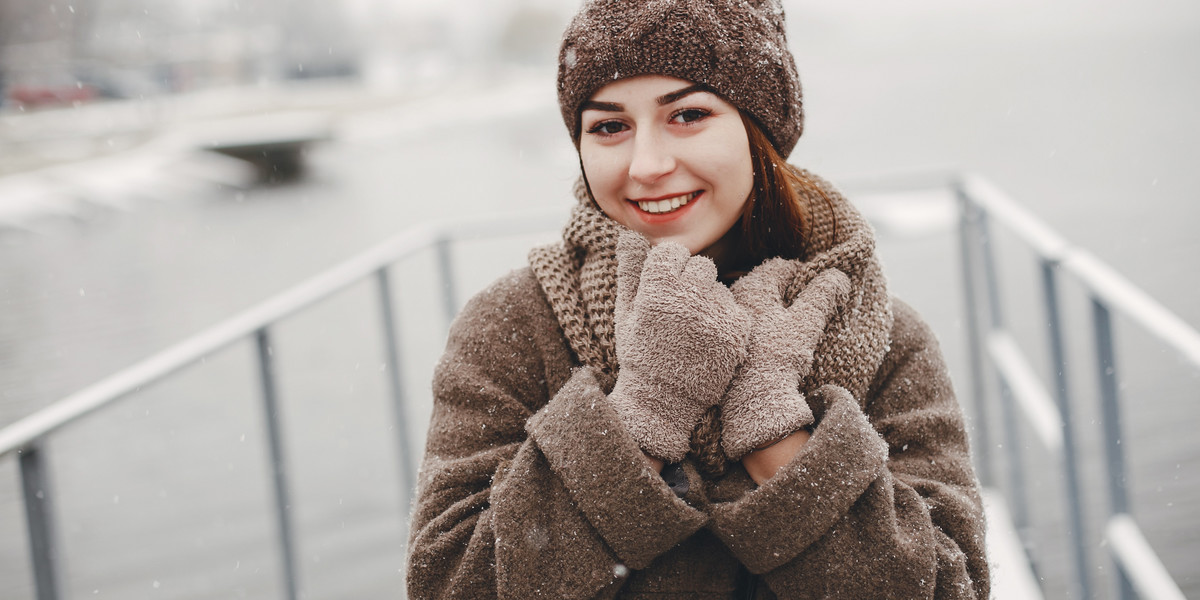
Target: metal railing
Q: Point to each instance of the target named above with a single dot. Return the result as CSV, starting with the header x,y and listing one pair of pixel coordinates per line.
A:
x,y
1140,573
29,437
990,344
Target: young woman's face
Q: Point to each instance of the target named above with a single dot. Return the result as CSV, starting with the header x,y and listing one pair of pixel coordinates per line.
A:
x,y
666,159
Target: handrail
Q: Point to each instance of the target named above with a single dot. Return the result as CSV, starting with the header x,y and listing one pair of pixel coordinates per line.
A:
x,y
13,437
1029,391
1001,207
26,436
1102,280
17,435
1135,304
1150,577
1139,569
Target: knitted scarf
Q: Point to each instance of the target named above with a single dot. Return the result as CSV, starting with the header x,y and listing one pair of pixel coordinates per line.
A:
x,y
579,277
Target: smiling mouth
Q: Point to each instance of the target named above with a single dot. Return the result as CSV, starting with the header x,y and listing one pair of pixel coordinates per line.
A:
x,y
666,205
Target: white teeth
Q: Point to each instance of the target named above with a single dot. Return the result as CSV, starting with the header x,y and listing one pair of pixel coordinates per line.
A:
x,y
668,205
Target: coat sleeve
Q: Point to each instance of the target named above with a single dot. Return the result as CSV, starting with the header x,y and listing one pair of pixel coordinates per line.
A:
x,y
519,480
881,503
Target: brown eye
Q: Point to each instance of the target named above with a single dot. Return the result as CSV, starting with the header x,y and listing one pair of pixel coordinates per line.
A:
x,y
690,115
608,128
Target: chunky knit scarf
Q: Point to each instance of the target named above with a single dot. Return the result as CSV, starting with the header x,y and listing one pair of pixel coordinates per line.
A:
x,y
579,277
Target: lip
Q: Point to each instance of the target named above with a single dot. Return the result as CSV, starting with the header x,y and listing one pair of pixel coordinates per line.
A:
x,y
663,197
658,218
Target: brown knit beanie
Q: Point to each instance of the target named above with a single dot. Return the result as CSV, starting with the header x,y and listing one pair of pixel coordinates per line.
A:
x,y
735,47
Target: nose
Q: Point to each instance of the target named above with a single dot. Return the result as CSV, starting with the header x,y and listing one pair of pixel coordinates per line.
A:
x,y
652,159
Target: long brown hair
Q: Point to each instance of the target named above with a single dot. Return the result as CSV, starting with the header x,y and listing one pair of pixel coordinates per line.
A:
x,y
775,220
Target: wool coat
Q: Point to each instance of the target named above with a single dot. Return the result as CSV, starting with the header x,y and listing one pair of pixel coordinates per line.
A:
x,y
531,488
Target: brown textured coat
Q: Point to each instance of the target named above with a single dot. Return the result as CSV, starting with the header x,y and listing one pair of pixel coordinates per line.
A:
x,y
531,488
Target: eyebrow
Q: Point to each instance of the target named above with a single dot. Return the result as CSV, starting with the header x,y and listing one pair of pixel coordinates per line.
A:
x,y
662,100
666,99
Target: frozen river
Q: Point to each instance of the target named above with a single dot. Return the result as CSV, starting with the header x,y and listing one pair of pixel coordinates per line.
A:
x,y
1089,121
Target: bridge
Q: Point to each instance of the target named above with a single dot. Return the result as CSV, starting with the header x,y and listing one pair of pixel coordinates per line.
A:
x,y
1014,407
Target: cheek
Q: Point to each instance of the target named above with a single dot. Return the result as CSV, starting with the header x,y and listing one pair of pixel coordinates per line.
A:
x,y
724,157
604,176
602,168
741,171
733,175
746,176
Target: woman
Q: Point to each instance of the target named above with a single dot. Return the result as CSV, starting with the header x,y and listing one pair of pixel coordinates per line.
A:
x,y
705,390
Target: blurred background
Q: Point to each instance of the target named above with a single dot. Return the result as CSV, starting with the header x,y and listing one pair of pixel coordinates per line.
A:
x,y
132,216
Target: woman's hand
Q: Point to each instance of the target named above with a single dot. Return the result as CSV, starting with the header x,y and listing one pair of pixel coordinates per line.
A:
x,y
680,334
762,464
764,401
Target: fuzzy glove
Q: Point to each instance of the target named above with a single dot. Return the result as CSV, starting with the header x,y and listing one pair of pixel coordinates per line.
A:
x,y
680,335
764,402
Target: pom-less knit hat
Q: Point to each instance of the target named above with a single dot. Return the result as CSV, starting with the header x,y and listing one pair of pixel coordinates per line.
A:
x,y
735,47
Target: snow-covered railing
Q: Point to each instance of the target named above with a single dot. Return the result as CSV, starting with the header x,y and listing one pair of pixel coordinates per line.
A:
x,y
28,437
1140,572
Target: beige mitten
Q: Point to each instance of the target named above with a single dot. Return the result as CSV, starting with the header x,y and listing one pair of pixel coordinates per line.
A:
x,y
764,402
680,334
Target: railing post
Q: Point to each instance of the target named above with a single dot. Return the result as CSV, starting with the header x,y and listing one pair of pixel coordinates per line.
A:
x,y
407,466
278,466
39,517
1062,395
1008,408
1106,367
446,272
1007,403
983,445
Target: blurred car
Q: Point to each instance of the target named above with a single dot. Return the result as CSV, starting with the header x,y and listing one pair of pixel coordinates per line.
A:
x,y
34,96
